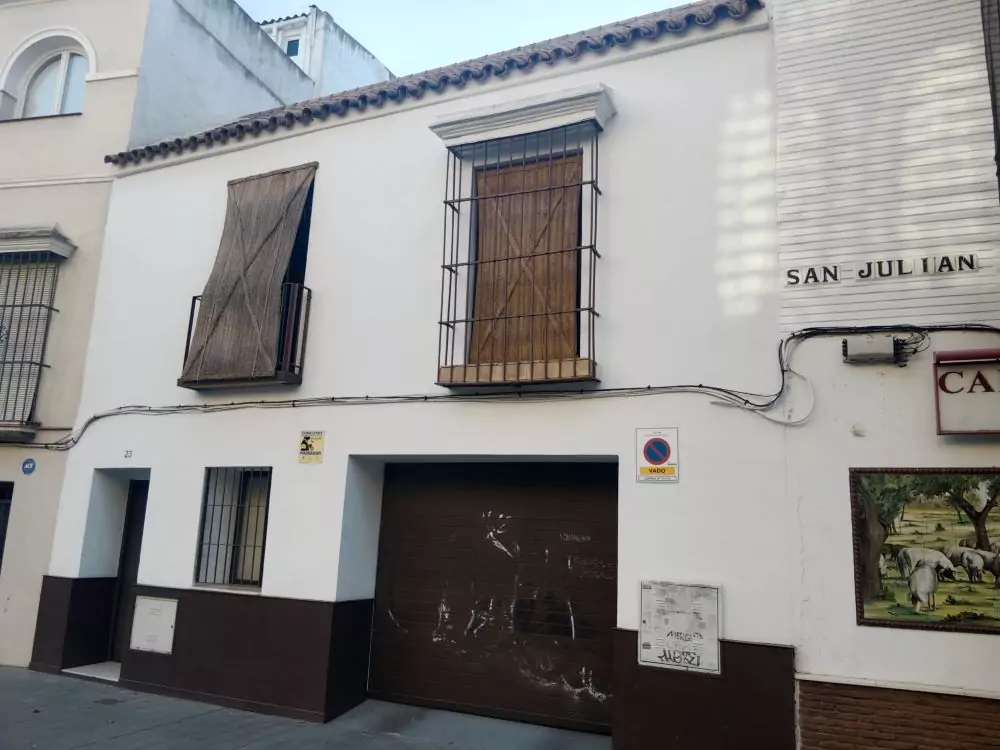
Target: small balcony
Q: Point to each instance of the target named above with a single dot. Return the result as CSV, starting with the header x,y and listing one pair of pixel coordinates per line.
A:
x,y
266,349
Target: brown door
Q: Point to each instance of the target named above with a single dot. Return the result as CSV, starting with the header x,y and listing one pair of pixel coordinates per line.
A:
x,y
496,590
128,567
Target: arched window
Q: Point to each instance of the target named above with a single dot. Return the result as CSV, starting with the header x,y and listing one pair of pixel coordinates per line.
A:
x,y
57,86
47,74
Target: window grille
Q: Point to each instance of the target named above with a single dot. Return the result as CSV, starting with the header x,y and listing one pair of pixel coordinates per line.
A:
x,y
233,525
27,288
6,496
520,258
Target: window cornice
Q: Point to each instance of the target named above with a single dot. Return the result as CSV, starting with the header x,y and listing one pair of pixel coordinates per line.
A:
x,y
42,240
552,110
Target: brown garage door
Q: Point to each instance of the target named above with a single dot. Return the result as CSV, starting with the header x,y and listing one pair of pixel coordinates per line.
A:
x,y
496,590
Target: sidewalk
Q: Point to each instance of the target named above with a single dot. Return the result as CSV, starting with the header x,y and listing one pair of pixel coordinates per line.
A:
x,y
48,712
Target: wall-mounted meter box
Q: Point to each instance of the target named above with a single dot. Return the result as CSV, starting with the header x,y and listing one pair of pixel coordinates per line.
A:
x,y
873,348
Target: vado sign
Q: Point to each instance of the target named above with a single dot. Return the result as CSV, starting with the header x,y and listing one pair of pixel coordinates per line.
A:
x,y
657,457
967,384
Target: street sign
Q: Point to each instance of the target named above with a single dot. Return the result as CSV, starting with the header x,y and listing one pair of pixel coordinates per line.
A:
x,y
656,455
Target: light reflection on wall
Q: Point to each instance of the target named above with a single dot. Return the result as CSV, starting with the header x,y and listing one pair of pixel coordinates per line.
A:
x,y
747,247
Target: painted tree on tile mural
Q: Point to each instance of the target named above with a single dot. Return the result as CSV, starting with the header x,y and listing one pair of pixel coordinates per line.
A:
x,y
973,495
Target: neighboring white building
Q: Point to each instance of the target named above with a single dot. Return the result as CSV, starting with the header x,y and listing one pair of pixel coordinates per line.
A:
x,y
79,78
885,156
334,59
396,384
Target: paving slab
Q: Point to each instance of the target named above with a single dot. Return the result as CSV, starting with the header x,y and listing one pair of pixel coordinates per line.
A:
x,y
57,712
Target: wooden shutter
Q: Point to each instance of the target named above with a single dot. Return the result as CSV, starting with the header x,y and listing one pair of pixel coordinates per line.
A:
x,y
526,289
237,331
26,292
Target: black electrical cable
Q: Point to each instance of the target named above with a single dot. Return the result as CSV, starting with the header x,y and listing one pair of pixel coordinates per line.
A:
x,y
919,336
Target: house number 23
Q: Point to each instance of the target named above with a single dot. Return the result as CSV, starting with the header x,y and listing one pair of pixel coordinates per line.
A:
x,y
128,454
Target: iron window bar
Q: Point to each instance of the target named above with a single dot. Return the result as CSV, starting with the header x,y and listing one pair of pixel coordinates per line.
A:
x,y
296,302
519,259
233,531
27,292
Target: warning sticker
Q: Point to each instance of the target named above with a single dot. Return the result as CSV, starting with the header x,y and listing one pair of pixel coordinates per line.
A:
x,y
311,447
656,455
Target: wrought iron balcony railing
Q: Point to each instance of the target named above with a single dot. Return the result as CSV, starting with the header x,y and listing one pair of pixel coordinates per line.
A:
x,y
222,368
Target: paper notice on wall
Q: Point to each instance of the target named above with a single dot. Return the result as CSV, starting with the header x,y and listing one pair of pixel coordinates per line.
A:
x,y
311,447
679,626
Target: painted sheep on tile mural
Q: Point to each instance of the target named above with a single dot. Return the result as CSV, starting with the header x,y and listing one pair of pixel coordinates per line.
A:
x,y
926,548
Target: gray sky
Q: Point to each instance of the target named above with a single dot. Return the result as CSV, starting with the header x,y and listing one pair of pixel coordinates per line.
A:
x,y
414,35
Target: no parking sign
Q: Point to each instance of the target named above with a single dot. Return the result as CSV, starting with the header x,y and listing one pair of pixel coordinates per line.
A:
x,y
657,455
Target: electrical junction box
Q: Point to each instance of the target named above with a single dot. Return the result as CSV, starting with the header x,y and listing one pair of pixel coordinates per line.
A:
x,y
872,348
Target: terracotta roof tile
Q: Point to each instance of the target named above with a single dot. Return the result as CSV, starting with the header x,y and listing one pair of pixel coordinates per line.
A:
x,y
283,18
553,51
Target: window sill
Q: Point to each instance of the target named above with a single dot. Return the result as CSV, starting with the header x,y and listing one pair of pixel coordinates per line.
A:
x,y
17,432
221,588
278,378
42,117
519,373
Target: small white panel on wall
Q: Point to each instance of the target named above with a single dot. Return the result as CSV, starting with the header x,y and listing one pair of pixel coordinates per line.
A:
x,y
679,626
153,624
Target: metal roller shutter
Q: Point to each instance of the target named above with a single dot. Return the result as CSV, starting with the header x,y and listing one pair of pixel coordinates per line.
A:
x,y
496,591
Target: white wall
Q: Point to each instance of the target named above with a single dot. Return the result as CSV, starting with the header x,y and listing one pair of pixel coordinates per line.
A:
x,y
206,63
334,59
885,142
687,232
52,172
872,416
345,64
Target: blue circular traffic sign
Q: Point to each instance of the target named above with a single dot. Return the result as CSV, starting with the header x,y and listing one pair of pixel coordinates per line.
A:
x,y
28,466
656,451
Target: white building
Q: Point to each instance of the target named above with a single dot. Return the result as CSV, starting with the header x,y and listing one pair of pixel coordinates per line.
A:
x,y
78,79
886,155
449,478
334,59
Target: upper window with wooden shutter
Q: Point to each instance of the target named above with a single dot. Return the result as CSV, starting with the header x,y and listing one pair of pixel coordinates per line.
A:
x,y
520,252
248,327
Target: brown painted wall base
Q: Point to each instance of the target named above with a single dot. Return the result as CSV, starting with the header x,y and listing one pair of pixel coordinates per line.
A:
x,y
301,659
751,705
74,622
287,657
848,717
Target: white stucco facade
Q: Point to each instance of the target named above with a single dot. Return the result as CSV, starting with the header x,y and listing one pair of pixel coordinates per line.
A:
x,y
332,58
717,177
374,267
885,152
195,50
52,173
